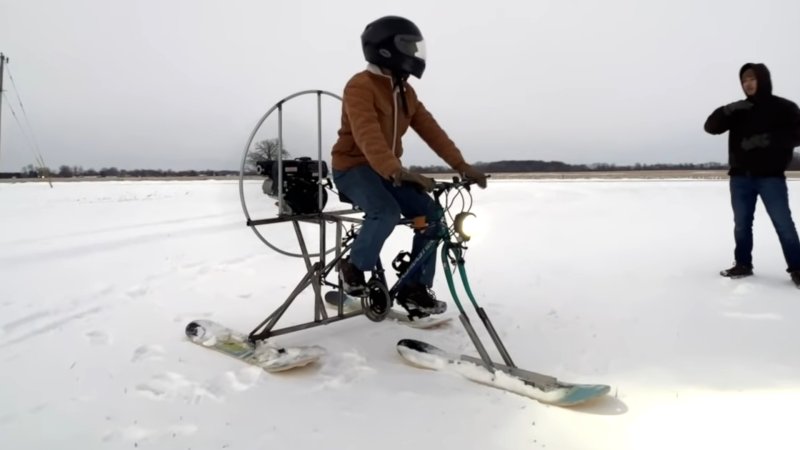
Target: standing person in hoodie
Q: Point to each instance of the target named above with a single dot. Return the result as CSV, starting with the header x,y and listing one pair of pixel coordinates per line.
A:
x,y
378,107
763,131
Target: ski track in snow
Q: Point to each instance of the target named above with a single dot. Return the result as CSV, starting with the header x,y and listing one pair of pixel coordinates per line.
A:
x,y
11,326
51,325
42,321
88,247
94,233
99,337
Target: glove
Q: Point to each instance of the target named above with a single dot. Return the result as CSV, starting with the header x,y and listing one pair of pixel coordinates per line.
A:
x,y
401,175
472,173
741,105
755,141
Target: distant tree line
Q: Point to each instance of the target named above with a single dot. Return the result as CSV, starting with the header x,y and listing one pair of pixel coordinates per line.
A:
x,y
268,150
263,150
65,171
522,166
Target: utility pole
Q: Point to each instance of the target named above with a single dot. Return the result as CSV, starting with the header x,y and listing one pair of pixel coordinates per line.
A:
x,y
3,60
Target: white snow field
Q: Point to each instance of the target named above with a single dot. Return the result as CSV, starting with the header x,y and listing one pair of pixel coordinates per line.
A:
x,y
612,282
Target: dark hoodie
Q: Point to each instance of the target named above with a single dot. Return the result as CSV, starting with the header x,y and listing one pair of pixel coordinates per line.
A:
x,y
774,116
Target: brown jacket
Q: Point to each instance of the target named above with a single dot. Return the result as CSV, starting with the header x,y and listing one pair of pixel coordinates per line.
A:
x,y
372,115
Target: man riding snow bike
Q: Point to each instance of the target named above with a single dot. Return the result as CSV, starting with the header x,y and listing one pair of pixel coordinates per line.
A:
x,y
448,228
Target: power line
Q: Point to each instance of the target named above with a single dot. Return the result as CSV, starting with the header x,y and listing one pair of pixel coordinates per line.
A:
x,y
25,115
37,157
19,124
37,154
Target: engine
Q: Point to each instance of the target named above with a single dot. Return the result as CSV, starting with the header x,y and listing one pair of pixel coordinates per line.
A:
x,y
301,179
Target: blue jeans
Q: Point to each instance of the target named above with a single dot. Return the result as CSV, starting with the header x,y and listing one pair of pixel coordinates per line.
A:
x,y
383,204
774,193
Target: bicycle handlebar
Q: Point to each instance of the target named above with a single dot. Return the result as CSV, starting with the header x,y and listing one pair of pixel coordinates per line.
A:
x,y
441,187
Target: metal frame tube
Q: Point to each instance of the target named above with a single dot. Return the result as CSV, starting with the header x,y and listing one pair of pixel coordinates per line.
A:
x,y
315,276
280,159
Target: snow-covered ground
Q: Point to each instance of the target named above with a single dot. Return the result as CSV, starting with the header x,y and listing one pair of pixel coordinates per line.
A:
x,y
609,282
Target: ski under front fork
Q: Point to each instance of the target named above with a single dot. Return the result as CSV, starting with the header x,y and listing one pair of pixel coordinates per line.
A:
x,y
451,251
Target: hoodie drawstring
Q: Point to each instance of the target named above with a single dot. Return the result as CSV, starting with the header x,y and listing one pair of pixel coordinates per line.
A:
x,y
399,82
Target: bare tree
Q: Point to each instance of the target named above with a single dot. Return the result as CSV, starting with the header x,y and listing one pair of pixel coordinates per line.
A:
x,y
65,172
266,150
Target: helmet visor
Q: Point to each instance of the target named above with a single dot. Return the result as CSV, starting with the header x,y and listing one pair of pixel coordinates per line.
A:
x,y
410,45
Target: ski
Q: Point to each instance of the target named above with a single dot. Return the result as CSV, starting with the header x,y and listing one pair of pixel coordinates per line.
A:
x,y
544,388
214,336
353,304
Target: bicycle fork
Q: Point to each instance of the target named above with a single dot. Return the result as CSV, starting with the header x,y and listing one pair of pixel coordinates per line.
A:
x,y
457,252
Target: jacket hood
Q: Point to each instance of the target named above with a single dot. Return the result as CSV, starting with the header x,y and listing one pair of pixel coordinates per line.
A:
x,y
762,76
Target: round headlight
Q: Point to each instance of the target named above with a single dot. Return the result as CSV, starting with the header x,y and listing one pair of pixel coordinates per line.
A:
x,y
464,225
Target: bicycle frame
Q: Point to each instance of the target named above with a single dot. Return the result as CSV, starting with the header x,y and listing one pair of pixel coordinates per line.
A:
x,y
445,237
453,249
318,271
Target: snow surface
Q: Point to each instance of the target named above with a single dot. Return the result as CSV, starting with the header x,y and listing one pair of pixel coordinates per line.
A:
x,y
612,282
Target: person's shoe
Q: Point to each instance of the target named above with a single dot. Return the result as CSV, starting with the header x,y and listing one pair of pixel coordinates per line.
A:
x,y
738,271
417,298
353,281
795,278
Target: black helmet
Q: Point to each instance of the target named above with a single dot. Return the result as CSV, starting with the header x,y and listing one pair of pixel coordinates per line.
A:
x,y
396,44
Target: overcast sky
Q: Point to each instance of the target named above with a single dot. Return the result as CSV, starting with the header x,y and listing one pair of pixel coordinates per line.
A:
x,y
182,83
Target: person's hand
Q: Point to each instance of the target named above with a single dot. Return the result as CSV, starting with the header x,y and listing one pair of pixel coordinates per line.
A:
x,y
401,175
472,173
427,184
755,141
741,105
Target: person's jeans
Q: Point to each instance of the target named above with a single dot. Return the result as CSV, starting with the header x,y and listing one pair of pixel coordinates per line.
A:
x,y
774,193
383,204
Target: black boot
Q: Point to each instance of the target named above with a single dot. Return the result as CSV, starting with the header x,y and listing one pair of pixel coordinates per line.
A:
x,y
353,281
417,298
738,271
795,277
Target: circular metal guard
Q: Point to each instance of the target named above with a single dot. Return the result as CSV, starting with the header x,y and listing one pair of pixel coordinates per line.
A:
x,y
279,107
